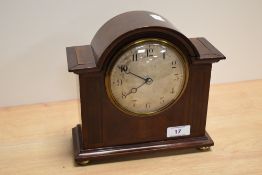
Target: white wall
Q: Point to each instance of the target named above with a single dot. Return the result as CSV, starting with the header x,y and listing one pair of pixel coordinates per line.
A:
x,y
34,34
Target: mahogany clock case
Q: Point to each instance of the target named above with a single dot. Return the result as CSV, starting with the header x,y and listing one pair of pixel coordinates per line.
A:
x,y
106,131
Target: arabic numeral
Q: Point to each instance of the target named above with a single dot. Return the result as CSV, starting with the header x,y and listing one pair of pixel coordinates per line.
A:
x,y
178,131
149,52
123,68
119,82
173,64
134,57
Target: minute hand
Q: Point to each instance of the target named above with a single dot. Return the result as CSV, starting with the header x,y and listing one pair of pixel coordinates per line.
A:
x,y
128,72
147,80
125,69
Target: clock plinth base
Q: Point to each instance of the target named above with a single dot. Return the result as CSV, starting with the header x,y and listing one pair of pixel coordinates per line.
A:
x,y
83,155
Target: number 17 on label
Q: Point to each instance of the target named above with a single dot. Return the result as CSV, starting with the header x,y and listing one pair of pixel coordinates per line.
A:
x,y
178,131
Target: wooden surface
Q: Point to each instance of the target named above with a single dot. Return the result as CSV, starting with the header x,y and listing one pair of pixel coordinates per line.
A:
x,y
36,139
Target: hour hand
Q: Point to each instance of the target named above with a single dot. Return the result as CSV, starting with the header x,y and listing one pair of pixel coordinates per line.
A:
x,y
134,90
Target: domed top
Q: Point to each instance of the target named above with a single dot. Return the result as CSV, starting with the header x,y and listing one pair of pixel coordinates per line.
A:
x,y
131,23
129,27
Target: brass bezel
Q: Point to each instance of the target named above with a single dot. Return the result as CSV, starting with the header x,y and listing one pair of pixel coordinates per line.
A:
x,y
120,52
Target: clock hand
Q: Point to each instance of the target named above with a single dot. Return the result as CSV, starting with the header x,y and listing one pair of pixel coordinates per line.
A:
x,y
134,90
147,80
128,72
125,69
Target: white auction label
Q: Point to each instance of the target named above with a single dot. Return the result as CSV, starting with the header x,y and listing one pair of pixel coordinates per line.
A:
x,y
178,131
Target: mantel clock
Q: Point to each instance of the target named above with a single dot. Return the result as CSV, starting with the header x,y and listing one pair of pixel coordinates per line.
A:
x,y
143,87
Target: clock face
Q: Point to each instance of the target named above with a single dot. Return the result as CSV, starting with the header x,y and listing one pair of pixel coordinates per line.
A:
x,y
147,77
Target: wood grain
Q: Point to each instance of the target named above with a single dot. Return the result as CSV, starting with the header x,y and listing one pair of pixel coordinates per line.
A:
x,y
36,139
103,124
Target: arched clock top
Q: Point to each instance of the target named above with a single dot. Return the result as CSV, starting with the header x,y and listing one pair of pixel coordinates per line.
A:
x,y
134,25
129,27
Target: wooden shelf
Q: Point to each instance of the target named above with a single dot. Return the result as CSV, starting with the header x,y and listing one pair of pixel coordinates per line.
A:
x,y
37,139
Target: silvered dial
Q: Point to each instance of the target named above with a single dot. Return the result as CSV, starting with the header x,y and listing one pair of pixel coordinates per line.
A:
x,y
147,77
